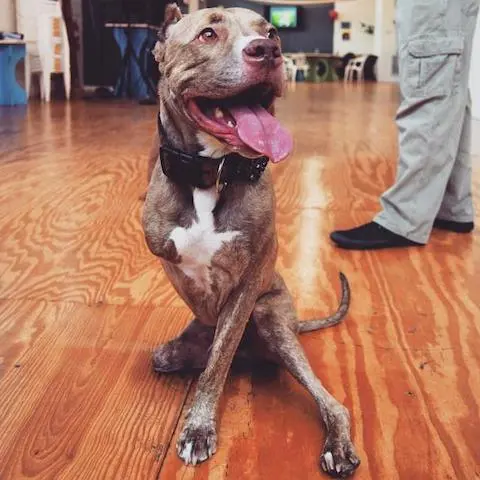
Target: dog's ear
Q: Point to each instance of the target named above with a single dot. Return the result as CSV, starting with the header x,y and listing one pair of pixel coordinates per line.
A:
x,y
172,16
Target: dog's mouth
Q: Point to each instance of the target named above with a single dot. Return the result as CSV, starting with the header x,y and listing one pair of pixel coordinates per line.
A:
x,y
244,121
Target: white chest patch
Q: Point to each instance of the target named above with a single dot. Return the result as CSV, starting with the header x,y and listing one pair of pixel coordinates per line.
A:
x,y
198,243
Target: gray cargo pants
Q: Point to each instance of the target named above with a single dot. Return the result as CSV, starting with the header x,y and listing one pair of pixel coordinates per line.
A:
x,y
434,176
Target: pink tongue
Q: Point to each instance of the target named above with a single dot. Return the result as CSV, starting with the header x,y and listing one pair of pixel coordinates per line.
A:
x,y
262,132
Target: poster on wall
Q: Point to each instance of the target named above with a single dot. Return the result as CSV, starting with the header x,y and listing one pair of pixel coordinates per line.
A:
x,y
346,28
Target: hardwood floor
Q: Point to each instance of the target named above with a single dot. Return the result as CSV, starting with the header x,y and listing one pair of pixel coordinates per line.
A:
x,y
83,302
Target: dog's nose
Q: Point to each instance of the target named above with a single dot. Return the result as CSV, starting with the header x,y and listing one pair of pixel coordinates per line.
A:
x,y
262,50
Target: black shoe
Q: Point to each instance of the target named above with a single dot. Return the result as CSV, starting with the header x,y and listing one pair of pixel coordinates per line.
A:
x,y
450,225
370,236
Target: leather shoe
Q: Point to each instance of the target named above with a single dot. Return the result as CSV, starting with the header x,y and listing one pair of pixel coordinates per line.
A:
x,y
370,236
451,226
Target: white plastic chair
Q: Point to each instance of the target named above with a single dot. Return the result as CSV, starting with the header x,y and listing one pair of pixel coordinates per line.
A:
x,y
53,47
290,69
355,66
48,51
294,63
302,64
26,13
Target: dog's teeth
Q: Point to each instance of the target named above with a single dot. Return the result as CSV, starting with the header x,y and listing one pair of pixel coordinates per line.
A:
x,y
230,123
218,113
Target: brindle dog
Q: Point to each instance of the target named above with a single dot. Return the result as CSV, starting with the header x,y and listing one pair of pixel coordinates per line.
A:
x,y
221,70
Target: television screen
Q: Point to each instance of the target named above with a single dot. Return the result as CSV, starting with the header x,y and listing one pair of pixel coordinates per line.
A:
x,y
284,17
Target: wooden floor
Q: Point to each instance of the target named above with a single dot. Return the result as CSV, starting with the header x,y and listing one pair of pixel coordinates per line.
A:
x,y
83,303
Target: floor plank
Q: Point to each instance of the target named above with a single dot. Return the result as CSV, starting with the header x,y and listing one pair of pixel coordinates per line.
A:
x,y
78,396
83,302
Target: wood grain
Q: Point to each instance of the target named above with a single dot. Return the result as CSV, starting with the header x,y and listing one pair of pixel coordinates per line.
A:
x,y
82,303
80,396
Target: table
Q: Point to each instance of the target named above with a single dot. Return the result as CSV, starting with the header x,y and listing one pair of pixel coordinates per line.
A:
x,y
322,65
133,39
11,53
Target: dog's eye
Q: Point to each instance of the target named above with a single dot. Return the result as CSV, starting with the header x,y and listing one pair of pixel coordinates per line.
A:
x,y
272,34
208,35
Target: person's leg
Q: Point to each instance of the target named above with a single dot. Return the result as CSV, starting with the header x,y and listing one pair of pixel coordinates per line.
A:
x,y
445,189
435,39
456,212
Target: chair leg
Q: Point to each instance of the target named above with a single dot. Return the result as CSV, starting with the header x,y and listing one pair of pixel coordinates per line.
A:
x,y
67,83
46,86
349,75
28,75
42,88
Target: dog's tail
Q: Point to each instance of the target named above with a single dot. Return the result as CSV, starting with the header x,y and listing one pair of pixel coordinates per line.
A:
x,y
331,320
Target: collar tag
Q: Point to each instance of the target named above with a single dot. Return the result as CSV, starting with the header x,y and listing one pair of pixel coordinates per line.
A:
x,y
218,183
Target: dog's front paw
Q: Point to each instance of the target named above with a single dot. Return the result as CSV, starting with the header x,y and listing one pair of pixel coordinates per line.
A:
x,y
165,360
339,458
197,443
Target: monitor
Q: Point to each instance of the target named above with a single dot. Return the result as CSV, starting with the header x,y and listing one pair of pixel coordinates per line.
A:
x,y
284,17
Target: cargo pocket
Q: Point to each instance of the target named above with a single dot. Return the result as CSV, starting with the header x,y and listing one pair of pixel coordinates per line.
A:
x,y
433,66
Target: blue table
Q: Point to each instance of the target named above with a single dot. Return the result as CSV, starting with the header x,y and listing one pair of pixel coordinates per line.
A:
x,y
12,52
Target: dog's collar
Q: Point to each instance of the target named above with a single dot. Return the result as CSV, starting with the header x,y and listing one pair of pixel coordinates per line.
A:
x,y
204,172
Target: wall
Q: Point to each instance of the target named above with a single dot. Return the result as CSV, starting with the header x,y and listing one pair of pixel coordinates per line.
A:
x,y
316,32
475,73
7,15
385,42
356,12
257,7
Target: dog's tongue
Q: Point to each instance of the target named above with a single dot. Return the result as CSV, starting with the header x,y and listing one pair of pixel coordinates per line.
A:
x,y
262,132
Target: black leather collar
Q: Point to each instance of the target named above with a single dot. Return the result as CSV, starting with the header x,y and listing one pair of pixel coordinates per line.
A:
x,y
204,172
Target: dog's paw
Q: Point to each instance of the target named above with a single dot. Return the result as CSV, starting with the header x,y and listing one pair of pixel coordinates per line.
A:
x,y
164,360
197,443
339,459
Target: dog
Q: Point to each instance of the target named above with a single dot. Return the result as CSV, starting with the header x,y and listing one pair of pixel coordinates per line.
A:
x,y
209,215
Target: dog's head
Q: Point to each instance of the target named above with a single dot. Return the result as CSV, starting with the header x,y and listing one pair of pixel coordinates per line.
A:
x,y
221,70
